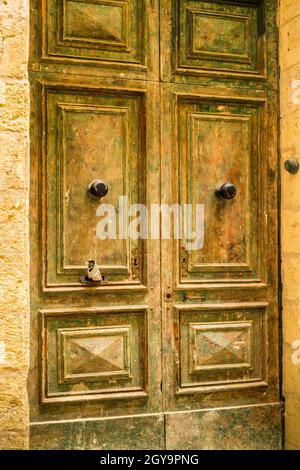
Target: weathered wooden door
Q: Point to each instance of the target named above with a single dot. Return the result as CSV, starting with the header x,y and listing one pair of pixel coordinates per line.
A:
x,y
163,101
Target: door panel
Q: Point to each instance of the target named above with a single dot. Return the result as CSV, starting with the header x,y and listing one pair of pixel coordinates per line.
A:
x,y
77,153
219,36
113,38
221,346
218,142
95,29
218,39
94,353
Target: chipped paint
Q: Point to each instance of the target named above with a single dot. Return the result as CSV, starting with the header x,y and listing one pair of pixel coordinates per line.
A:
x,y
2,353
295,92
2,92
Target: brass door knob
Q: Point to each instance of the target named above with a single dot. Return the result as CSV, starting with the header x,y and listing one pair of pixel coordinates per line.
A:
x,y
226,191
97,189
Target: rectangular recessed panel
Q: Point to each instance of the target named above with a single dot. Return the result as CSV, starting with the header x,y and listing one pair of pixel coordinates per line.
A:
x,y
94,354
221,345
99,135
107,31
103,22
219,142
91,353
227,137
213,36
94,142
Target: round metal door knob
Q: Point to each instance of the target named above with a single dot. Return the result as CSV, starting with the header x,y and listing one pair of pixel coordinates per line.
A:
x,y
97,189
226,191
292,165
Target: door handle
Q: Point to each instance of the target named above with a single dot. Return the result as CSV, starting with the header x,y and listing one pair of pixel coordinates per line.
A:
x,y
226,191
93,275
97,189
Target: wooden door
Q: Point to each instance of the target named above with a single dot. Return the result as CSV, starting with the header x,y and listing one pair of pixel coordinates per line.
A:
x,y
95,379
163,101
220,320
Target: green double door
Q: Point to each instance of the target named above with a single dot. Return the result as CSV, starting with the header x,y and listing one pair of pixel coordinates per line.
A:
x,y
163,101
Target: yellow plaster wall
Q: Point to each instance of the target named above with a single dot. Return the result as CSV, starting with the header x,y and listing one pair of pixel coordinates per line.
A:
x,y
14,247
289,28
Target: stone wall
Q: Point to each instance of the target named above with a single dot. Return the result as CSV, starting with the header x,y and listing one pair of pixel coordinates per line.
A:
x,y
14,246
289,27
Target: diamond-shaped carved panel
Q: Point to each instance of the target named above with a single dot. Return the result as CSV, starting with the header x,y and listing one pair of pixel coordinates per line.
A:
x,y
103,23
221,346
94,353
91,353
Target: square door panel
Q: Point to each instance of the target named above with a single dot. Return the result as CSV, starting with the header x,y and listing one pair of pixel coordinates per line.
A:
x,y
91,135
109,31
219,36
220,141
94,354
102,24
221,346
225,346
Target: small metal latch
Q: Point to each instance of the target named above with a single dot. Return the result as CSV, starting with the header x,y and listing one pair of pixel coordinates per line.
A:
x,y
93,275
185,297
292,165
